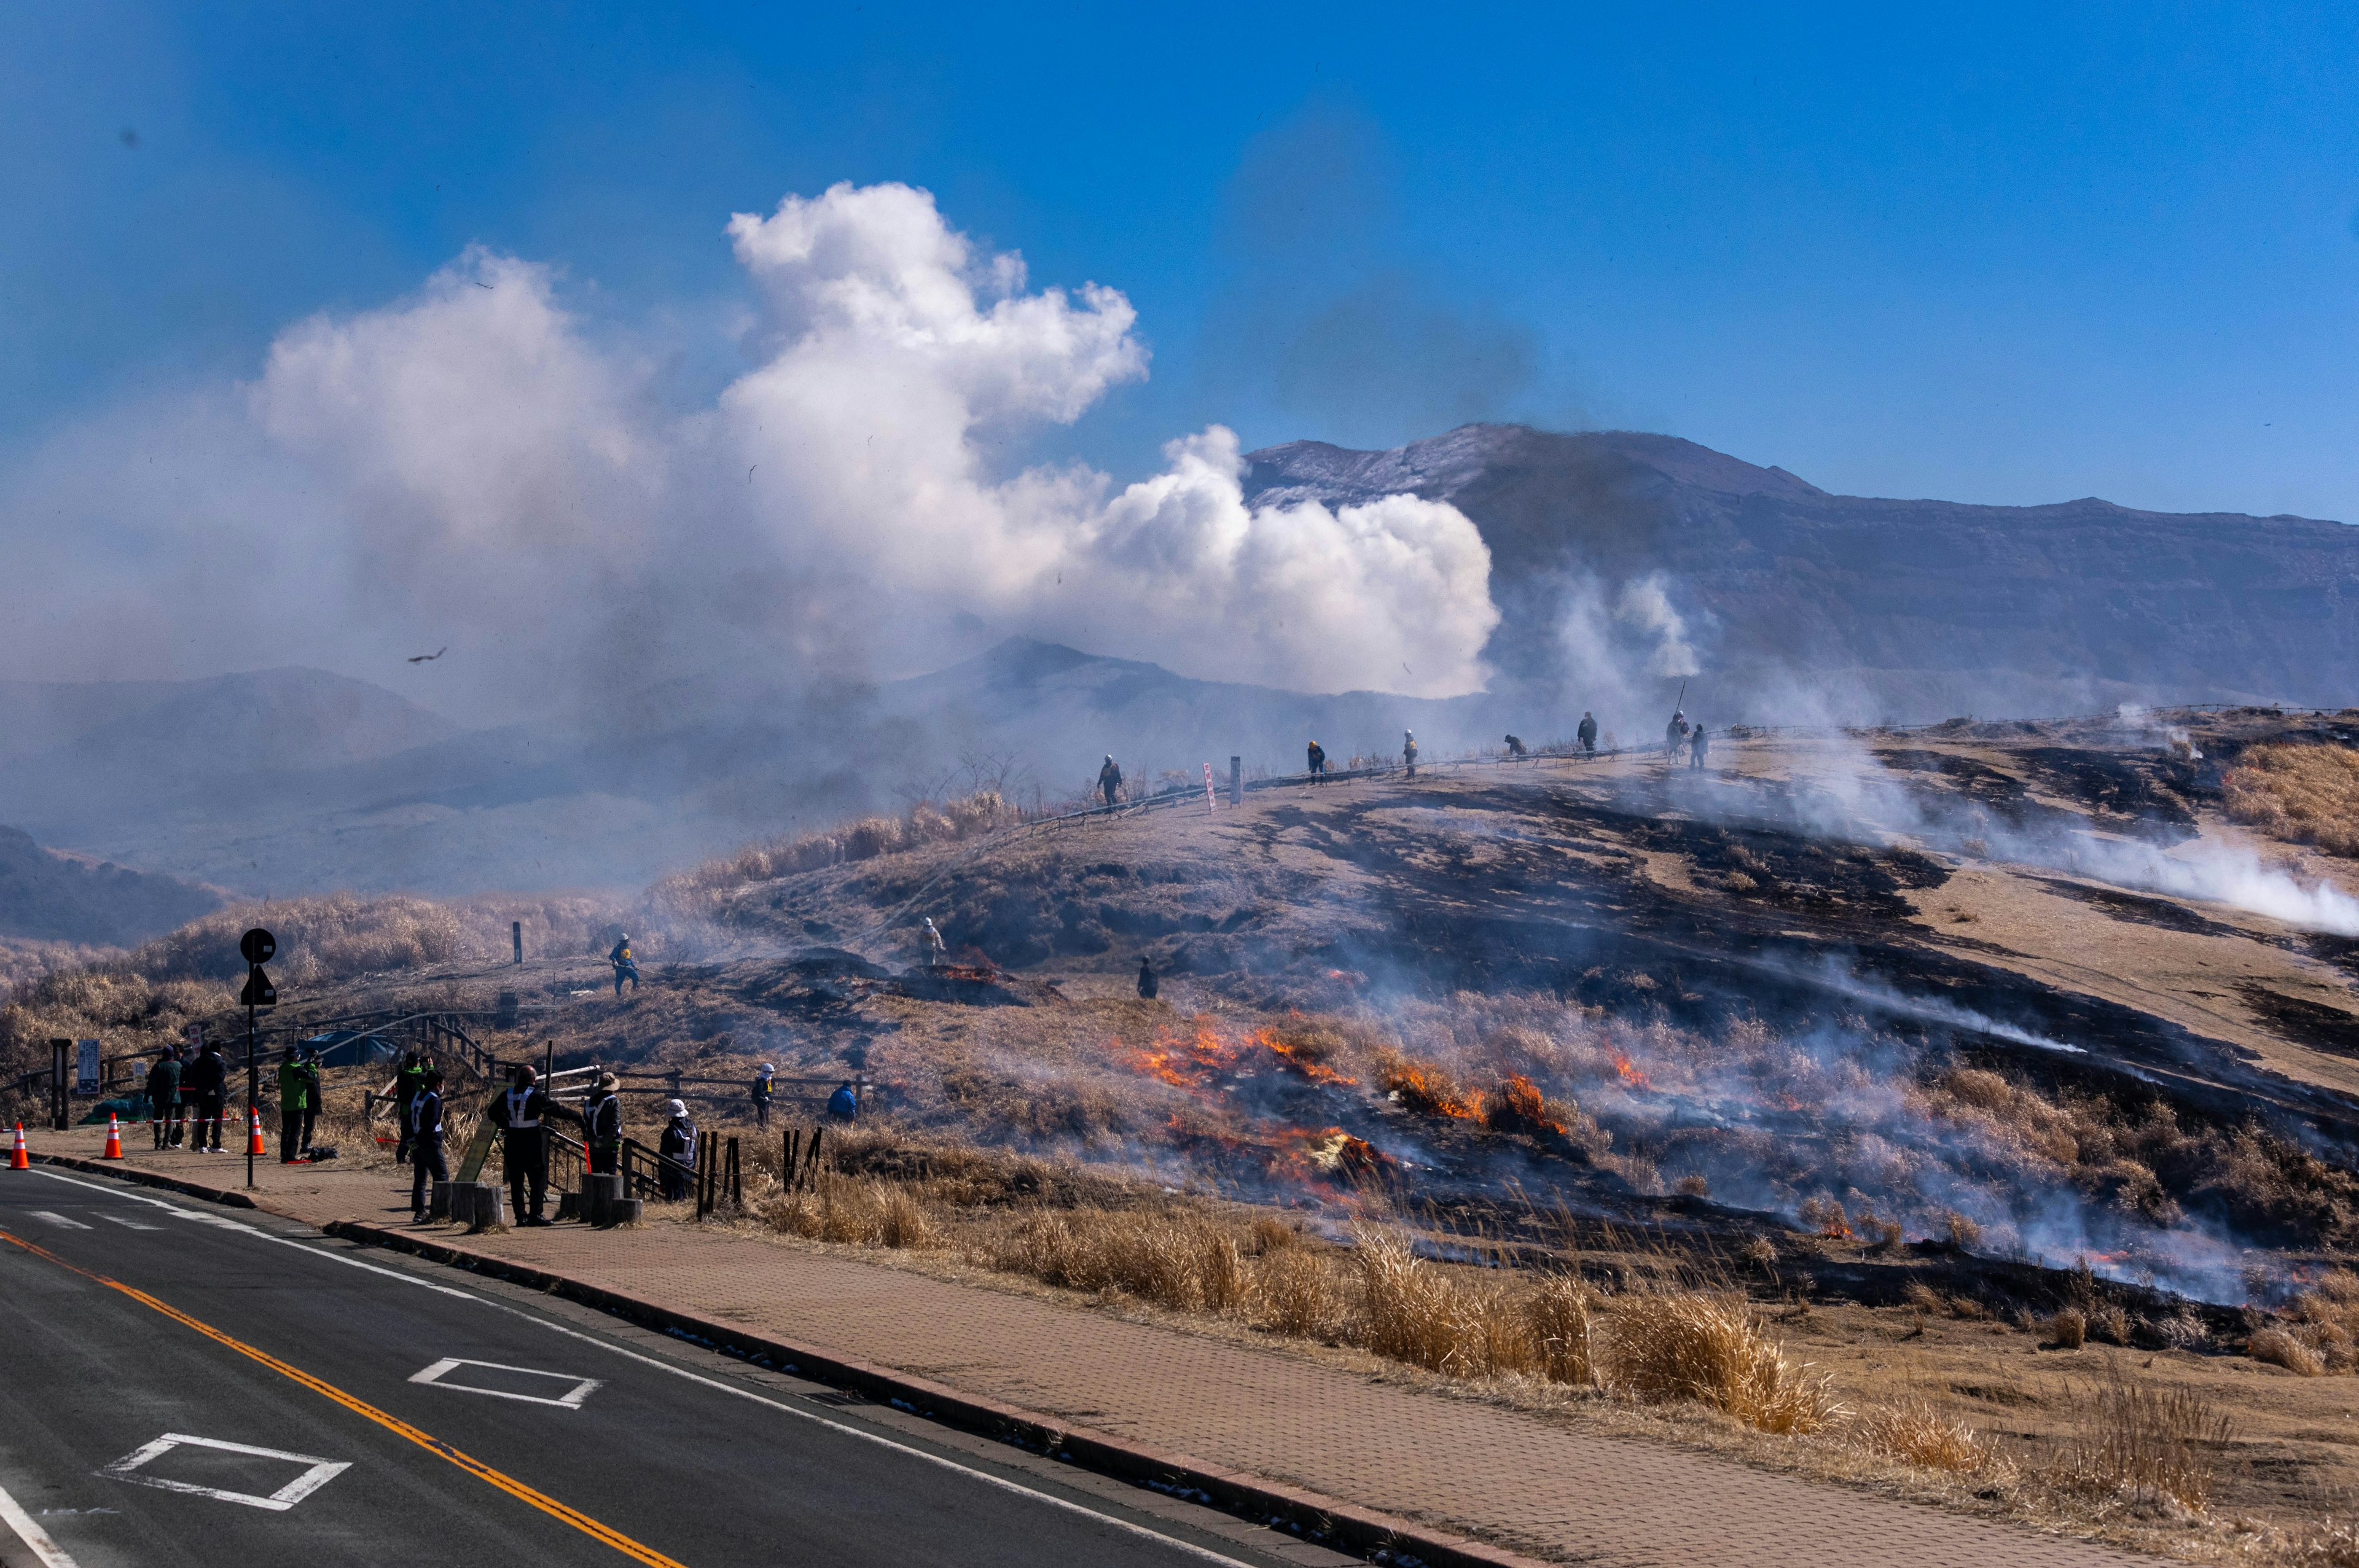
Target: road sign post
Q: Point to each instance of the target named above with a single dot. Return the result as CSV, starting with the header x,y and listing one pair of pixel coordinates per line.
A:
x,y
258,948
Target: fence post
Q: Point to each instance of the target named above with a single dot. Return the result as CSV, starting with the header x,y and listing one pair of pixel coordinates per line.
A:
x,y
515,935
1236,781
735,1189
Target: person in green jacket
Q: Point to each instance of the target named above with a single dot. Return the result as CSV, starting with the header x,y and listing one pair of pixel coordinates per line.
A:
x,y
294,1098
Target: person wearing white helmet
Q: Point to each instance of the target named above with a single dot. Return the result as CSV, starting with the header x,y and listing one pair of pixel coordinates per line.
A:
x,y
678,1146
765,1078
930,943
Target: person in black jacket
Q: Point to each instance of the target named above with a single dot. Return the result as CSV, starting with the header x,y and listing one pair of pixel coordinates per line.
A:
x,y
677,1143
1147,986
1317,757
521,1112
601,1126
164,1095
426,1140
1587,733
203,1084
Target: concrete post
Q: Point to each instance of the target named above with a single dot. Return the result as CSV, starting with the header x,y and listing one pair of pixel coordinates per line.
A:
x,y
515,935
1236,781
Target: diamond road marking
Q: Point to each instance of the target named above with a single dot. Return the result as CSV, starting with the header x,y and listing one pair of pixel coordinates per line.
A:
x,y
436,1376
321,1472
60,1220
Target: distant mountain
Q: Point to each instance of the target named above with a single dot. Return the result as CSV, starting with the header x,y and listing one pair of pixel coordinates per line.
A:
x,y
1060,711
49,897
1919,608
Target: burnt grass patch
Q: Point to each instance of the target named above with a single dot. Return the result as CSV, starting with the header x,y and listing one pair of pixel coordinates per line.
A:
x,y
2137,908
2145,795
2310,1024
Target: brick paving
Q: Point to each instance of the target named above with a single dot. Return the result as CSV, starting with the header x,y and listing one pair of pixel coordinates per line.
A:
x,y
1512,1480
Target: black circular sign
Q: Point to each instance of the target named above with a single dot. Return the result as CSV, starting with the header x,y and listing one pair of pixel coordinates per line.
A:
x,y
259,946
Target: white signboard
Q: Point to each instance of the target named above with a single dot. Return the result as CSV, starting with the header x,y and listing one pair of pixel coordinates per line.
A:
x,y
85,1066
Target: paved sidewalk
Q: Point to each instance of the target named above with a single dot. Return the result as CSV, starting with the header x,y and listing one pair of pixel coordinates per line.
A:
x,y
1509,1479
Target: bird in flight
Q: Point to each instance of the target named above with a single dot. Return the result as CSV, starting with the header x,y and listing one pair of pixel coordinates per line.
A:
x,y
421,658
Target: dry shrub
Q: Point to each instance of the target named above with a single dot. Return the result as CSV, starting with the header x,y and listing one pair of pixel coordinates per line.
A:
x,y
1270,1234
1558,1317
2278,1349
2303,794
2069,1329
1298,1292
1705,1348
854,1213
700,890
1916,1434
1180,1261
1963,1233
2138,1439
1425,1087
1412,1311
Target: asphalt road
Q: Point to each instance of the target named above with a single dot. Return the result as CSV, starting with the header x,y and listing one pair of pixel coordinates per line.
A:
x,y
364,1382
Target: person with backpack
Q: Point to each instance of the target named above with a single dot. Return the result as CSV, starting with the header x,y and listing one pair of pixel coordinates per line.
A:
x,y
626,967
425,1140
678,1144
164,1095
762,1088
406,1080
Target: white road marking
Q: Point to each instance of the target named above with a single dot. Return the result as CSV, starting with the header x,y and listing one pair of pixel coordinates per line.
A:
x,y
318,1474
59,1220
29,1531
986,1478
435,1375
128,1224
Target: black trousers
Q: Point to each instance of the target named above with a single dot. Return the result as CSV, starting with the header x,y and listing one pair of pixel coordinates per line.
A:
x,y
425,1164
526,1154
761,1113
206,1110
401,1130
605,1159
290,1134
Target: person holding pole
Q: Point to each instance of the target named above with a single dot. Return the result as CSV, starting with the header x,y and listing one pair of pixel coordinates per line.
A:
x,y
519,1112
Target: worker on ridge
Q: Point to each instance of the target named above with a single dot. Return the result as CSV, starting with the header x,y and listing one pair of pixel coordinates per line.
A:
x,y
1516,747
1110,780
164,1095
1147,983
677,1143
1587,733
623,965
1408,752
1696,745
521,1112
601,1126
1675,735
930,945
1318,763
425,1123
764,1086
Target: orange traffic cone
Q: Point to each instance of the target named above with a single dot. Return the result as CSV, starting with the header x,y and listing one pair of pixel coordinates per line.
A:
x,y
20,1161
113,1139
254,1133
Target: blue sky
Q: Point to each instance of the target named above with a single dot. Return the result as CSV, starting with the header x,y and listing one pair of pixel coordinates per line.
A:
x,y
2009,256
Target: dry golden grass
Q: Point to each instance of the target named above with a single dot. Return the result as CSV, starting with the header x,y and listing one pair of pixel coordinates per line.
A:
x,y
1706,1348
844,1209
2278,1349
2144,1441
2303,794
1915,1432
703,888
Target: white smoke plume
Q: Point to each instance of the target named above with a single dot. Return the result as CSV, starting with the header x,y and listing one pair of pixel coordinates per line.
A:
x,y
477,464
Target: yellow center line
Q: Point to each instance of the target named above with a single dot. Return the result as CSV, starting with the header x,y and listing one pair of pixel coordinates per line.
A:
x,y
393,1423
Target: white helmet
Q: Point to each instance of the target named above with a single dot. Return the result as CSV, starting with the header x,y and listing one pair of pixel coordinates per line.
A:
x,y
676,1108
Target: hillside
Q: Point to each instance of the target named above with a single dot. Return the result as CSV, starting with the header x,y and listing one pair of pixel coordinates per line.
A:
x,y
1919,609
49,897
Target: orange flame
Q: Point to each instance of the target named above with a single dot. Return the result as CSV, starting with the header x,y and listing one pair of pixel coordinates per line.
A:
x,y
1519,1106
1317,1072
1630,1072
1424,1088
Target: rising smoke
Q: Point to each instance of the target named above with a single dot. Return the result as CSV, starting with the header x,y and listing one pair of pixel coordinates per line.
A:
x,y
479,464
